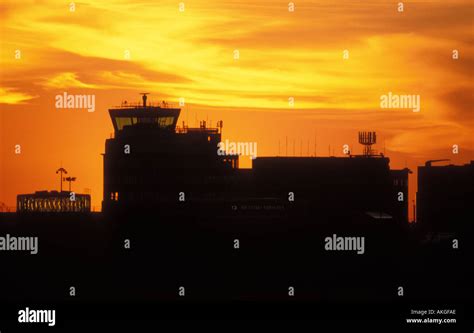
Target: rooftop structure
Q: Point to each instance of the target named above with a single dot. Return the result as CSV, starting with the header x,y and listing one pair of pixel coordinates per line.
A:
x,y
53,202
150,159
445,196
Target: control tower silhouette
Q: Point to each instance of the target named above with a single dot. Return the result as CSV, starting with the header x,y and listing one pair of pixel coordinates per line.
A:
x,y
150,160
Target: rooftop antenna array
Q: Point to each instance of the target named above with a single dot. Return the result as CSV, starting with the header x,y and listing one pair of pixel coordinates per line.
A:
x,y
367,139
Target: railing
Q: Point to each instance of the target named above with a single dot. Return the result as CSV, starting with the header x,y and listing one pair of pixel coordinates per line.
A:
x,y
136,105
186,129
54,203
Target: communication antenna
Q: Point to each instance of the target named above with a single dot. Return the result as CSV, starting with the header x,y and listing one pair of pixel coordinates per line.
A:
x,y
367,139
220,124
144,97
315,140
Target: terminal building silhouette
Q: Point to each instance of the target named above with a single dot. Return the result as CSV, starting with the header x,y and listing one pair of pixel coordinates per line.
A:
x,y
445,196
151,164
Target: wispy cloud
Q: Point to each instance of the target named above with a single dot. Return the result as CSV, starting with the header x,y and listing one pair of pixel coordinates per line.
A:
x,y
10,96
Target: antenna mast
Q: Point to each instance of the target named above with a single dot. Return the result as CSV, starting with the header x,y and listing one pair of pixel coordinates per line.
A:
x,y
367,139
144,97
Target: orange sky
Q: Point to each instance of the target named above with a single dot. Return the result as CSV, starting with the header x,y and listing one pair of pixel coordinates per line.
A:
x,y
190,54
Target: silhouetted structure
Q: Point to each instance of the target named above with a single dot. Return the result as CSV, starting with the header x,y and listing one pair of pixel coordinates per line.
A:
x,y
368,139
150,162
400,193
61,171
332,186
445,196
69,180
53,202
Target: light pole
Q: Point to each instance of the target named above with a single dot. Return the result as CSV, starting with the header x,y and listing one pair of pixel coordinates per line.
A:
x,y
61,171
70,179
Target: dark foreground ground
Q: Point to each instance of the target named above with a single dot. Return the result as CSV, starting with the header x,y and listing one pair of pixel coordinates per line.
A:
x,y
113,283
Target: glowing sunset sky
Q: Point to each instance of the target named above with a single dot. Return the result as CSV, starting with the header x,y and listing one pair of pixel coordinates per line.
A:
x,y
190,54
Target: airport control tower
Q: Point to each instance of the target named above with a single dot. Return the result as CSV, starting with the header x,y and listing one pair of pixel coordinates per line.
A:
x,y
150,160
